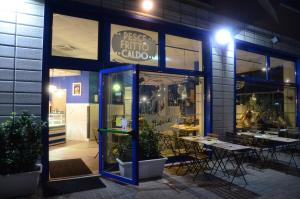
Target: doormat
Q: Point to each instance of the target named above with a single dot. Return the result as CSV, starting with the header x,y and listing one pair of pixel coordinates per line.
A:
x,y
55,188
68,168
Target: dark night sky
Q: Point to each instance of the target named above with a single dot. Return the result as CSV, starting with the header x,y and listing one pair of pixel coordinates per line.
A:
x,y
252,12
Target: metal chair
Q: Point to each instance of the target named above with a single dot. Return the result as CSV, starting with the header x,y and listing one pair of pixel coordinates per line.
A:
x,y
95,132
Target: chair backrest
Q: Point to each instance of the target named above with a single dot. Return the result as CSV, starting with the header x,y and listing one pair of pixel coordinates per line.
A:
x,y
95,132
214,135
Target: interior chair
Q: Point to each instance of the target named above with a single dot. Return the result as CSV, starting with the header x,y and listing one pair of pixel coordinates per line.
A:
x,y
95,133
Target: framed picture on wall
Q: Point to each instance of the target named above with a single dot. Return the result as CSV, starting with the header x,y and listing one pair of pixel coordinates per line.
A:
x,y
76,89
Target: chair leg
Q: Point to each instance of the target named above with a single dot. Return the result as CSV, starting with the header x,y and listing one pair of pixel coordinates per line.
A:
x,y
96,155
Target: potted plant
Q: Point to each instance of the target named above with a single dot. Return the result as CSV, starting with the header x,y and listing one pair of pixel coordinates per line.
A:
x,y
151,163
20,146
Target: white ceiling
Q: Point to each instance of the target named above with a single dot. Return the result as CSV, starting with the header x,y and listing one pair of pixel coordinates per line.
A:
x,y
74,37
63,73
157,79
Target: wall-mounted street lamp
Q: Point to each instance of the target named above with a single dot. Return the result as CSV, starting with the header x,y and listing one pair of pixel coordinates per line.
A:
x,y
147,5
223,36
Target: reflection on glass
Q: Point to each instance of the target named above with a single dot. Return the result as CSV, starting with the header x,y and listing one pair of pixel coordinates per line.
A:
x,y
171,104
133,45
183,53
117,108
282,70
265,106
74,37
250,64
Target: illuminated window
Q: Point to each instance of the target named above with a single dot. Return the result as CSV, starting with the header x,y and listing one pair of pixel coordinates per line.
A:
x,y
282,70
250,64
74,37
183,53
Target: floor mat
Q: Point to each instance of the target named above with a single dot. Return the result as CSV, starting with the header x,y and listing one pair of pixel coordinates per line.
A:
x,y
68,168
55,188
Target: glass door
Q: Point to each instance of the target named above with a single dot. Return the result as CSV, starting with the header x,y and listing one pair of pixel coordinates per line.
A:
x,y
118,124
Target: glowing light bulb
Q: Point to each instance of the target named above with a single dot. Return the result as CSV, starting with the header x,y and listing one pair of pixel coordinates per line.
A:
x,y
223,36
147,5
116,87
52,88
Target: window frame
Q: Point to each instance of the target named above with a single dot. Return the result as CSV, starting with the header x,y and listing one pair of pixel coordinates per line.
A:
x,y
268,52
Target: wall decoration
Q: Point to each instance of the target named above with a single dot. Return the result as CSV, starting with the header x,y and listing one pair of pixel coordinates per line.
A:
x,y
76,89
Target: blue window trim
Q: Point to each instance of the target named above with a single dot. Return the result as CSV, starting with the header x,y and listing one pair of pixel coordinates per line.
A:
x,y
106,17
298,91
268,52
134,112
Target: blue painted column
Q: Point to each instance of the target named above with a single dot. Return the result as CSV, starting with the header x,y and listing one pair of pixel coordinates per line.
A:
x,y
207,63
298,92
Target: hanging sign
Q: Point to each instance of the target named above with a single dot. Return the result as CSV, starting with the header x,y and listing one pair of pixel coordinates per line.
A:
x,y
133,45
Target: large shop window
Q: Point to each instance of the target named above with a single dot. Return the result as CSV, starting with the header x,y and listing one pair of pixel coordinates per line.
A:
x,y
282,70
172,105
264,106
133,45
267,105
250,65
183,53
74,37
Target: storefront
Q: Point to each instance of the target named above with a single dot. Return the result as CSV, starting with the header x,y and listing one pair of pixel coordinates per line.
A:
x,y
97,70
110,71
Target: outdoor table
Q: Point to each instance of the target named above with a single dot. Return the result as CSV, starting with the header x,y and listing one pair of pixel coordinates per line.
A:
x,y
224,150
287,143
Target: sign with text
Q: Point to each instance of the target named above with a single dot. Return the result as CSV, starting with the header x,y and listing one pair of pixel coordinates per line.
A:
x,y
133,45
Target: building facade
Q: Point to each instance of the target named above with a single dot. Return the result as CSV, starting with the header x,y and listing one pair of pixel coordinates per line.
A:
x,y
29,57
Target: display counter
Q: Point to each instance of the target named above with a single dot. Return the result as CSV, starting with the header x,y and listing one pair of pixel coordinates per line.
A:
x,y
57,128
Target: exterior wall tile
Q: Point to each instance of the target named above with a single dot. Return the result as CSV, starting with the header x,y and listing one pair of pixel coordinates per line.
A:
x,y
6,98
8,28
6,109
6,86
7,51
30,20
28,53
25,98
31,9
27,64
6,62
23,75
29,42
33,109
6,74
29,31
7,16
6,39
29,87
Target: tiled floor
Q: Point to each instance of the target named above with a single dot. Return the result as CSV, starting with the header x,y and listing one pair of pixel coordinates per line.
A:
x,y
85,150
271,182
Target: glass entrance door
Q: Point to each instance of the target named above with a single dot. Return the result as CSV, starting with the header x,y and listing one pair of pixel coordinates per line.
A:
x,y
118,133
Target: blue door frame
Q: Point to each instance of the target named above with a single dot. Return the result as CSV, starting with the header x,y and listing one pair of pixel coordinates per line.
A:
x,y
134,133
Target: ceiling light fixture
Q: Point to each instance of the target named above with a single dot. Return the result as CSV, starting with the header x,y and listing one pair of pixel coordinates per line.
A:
x,y
116,87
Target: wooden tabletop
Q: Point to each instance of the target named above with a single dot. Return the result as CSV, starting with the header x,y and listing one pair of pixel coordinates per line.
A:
x,y
215,143
184,127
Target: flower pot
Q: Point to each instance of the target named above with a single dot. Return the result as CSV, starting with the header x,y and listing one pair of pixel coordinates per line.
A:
x,y
19,184
147,168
